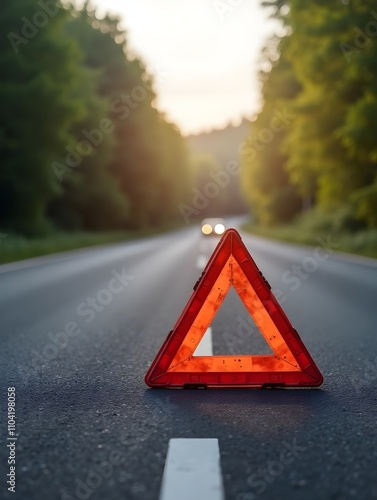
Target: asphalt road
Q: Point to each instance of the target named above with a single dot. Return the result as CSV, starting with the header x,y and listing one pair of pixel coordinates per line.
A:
x,y
79,330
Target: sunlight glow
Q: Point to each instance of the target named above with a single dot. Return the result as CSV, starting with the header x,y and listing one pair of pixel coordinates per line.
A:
x,y
205,57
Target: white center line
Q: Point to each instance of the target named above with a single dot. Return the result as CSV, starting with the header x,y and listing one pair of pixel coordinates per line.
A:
x,y
205,347
192,471
201,262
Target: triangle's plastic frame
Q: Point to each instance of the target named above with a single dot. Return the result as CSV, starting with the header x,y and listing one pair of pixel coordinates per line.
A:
x,y
290,365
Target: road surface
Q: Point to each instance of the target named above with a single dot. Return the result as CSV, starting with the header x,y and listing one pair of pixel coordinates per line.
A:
x,y
80,329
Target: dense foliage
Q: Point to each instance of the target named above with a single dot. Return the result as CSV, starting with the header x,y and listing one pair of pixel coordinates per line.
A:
x,y
313,143
82,145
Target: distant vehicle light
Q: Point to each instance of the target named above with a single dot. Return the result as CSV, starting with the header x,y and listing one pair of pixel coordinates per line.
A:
x,y
206,229
213,226
219,228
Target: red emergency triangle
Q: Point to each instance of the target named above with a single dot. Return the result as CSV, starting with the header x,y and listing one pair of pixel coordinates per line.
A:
x,y
290,365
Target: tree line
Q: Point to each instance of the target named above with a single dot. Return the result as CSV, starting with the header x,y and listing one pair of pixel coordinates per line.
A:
x,y
82,144
313,144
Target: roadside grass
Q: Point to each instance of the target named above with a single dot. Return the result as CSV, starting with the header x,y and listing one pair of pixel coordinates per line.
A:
x,y
360,243
14,248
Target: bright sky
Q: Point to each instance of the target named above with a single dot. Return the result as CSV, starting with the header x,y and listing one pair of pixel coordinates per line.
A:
x,y
204,54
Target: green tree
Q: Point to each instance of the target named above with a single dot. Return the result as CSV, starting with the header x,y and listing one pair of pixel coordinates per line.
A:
x,y
90,197
149,158
81,142
267,187
39,75
329,151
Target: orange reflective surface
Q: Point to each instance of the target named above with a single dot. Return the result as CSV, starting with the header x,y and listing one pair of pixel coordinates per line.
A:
x,y
232,275
290,364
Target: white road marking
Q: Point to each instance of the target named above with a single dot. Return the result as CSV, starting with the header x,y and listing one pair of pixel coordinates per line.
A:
x,y
205,347
192,471
201,262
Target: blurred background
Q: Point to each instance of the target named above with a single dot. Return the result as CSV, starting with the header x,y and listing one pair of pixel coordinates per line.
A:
x,y
122,118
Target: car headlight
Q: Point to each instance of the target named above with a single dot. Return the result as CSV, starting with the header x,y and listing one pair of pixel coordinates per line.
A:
x,y
206,229
219,228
